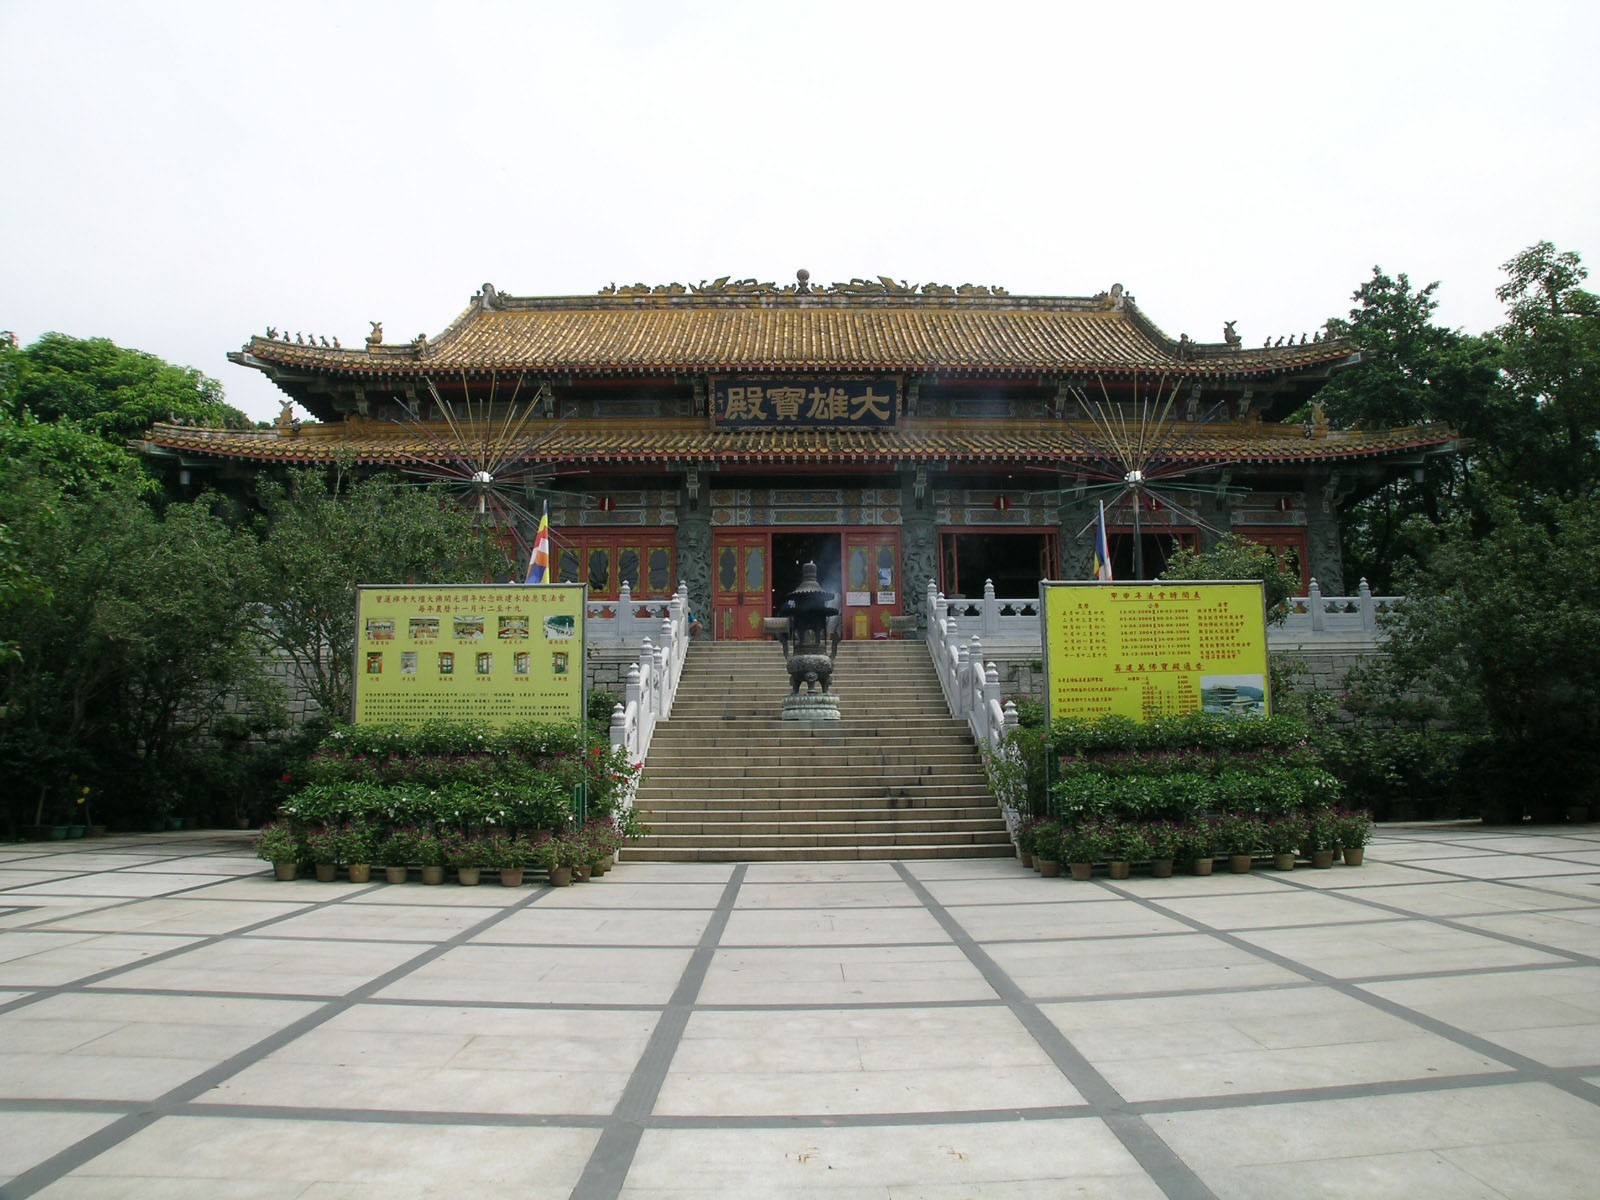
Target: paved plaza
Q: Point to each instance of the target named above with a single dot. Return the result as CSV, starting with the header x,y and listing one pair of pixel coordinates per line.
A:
x,y
174,1024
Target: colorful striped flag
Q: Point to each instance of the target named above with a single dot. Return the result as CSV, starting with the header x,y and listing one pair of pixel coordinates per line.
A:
x,y
1102,553
539,560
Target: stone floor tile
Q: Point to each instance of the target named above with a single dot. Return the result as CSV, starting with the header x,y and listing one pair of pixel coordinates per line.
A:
x,y
546,975
540,925
112,883
396,1161
616,891
790,874
842,975
910,1160
1095,917
32,1136
810,927
1509,866
185,915
1103,966
1405,1176
1553,1168
861,895
85,954
858,1061
274,966
1365,1126
1388,946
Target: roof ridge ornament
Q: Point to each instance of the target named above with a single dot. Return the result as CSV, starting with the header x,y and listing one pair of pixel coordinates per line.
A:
x,y
882,285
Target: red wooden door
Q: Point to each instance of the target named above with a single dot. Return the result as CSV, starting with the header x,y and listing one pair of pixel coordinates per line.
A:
x,y
872,591
741,583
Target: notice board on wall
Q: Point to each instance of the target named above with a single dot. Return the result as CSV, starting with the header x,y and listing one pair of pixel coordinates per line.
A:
x,y
1152,648
470,652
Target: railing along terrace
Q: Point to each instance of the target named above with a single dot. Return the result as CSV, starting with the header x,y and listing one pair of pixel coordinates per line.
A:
x,y
994,618
653,680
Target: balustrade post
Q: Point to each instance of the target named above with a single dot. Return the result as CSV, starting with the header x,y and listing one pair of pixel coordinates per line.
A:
x,y
989,622
1011,719
1314,603
619,727
1369,610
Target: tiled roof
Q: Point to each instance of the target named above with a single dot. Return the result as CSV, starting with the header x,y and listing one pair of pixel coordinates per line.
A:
x,y
606,444
653,334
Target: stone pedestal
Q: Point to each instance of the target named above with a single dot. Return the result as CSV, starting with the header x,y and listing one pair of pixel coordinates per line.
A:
x,y
811,706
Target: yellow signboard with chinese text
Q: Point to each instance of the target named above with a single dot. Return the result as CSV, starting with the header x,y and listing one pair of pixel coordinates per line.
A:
x,y
1152,648
470,652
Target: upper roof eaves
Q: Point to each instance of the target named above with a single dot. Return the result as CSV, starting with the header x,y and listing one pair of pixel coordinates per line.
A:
x,y
745,325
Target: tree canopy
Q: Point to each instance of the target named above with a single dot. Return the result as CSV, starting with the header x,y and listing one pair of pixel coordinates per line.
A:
x,y
108,390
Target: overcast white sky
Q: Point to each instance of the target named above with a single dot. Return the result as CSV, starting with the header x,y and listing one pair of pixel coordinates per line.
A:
x,y
178,176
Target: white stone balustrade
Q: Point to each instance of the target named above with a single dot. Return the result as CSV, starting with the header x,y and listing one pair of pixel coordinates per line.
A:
x,y
653,680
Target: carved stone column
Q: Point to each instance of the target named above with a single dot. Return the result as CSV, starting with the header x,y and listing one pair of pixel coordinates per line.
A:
x,y
1325,494
919,544
694,553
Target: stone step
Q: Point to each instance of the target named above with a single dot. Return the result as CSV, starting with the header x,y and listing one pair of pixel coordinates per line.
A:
x,y
800,837
837,808
853,824
870,853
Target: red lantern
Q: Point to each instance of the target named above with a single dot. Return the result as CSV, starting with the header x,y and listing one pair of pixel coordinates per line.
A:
x,y
605,504
1001,503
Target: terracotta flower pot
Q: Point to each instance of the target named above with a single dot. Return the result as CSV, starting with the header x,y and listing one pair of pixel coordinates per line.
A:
x,y
96,831
1027,859
327,872
432,874
1201,866
1049,868
1119,870
1353,855
511,877
1161,868
396,874
1081,871
1322,859
467,876
580,873
560,876
360,872
1240,863
285,871
1283,862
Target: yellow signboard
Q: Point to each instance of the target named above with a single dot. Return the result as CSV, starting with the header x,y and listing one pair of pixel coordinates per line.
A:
x,y
1152,648
470,652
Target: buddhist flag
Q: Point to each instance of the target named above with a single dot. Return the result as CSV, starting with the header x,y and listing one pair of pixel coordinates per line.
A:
x,y
1102,554
539,560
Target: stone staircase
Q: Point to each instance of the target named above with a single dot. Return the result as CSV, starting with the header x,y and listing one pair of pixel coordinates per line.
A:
x,y
897,777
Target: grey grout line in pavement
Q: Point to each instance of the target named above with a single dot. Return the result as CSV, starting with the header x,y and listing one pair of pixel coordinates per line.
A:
x,y
1170,1173
86,1149
199,942
1455,923
1520,1063
612,1157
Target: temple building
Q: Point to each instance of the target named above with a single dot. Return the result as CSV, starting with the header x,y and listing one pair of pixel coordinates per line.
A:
x,y
725,433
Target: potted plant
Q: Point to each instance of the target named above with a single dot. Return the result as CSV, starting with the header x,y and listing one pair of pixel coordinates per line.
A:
x,y
1044,844
571,857
1239,836
547,854
322,844
1081,846
606,840
357,847
1197,844
502,852
429,850
279,843
1283,835
466,854
1162,839
1127,846
1355,831
1322,837
397,851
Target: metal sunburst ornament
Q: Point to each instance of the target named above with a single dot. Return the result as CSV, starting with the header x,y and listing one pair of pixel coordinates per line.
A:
x,y
1142,453
485,456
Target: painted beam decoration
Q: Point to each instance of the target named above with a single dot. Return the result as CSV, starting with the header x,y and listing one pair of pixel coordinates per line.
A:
x,y
1148,649
805,403
474,652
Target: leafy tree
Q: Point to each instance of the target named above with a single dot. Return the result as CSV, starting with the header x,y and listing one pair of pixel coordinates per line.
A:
x,y
113,392
1545,423
1234,557
1501,623
322,537
1412,371
130,630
